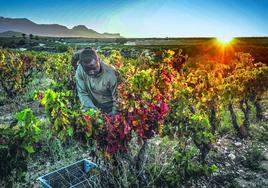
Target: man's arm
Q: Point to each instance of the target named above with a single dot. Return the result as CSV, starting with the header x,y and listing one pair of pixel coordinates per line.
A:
x,y
113,88
82,92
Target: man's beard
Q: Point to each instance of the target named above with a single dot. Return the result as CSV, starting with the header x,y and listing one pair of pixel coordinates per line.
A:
x,y
93,72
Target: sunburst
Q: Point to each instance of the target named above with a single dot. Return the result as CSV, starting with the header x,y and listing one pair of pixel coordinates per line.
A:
x,y
225,39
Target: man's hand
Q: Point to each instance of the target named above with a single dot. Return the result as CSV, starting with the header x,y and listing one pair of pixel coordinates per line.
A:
x,y
111,114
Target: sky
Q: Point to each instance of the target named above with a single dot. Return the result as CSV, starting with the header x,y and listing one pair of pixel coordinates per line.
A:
x,y
149,18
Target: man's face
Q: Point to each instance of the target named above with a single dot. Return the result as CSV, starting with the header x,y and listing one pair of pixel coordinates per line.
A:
x,y
91,67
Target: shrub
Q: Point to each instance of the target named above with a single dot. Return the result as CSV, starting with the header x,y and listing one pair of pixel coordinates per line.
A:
x,y
17,143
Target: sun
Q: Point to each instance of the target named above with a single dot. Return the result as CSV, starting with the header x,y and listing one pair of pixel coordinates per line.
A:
x,y
225,39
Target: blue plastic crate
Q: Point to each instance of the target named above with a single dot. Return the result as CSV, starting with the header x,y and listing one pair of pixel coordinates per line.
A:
x,y
79,174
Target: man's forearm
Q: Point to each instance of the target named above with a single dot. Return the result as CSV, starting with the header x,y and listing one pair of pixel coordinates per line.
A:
x,y
86,101
114,110
114,92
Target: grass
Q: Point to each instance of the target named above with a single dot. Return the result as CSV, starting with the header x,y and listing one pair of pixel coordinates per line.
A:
x,y
254,156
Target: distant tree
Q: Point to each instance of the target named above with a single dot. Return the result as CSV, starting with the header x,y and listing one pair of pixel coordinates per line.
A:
x,y
22,42
36,37
31,36
23,35
62,48
12,44
120,40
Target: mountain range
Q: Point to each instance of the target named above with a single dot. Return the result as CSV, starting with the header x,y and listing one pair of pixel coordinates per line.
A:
x,y
24,25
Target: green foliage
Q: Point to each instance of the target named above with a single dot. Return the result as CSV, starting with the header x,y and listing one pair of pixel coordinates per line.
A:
x,y
142,81
200,126
17,143
59,113
161,92
244,83
62,48
58,67
233,184
225,124
28,129
253,157
114,59
181,165
259,131
17,71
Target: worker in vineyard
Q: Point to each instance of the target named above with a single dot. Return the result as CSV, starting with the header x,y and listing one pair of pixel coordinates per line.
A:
x,y
96,82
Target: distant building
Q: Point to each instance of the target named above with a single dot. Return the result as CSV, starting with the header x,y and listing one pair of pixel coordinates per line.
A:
x,y
22,49
129,43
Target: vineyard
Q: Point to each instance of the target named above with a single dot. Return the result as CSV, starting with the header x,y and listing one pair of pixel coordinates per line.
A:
x,y
183,121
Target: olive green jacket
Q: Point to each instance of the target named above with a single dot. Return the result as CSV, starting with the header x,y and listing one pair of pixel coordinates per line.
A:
x,y
98,91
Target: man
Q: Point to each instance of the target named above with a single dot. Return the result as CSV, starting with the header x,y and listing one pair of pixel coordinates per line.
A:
x,y
96,82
